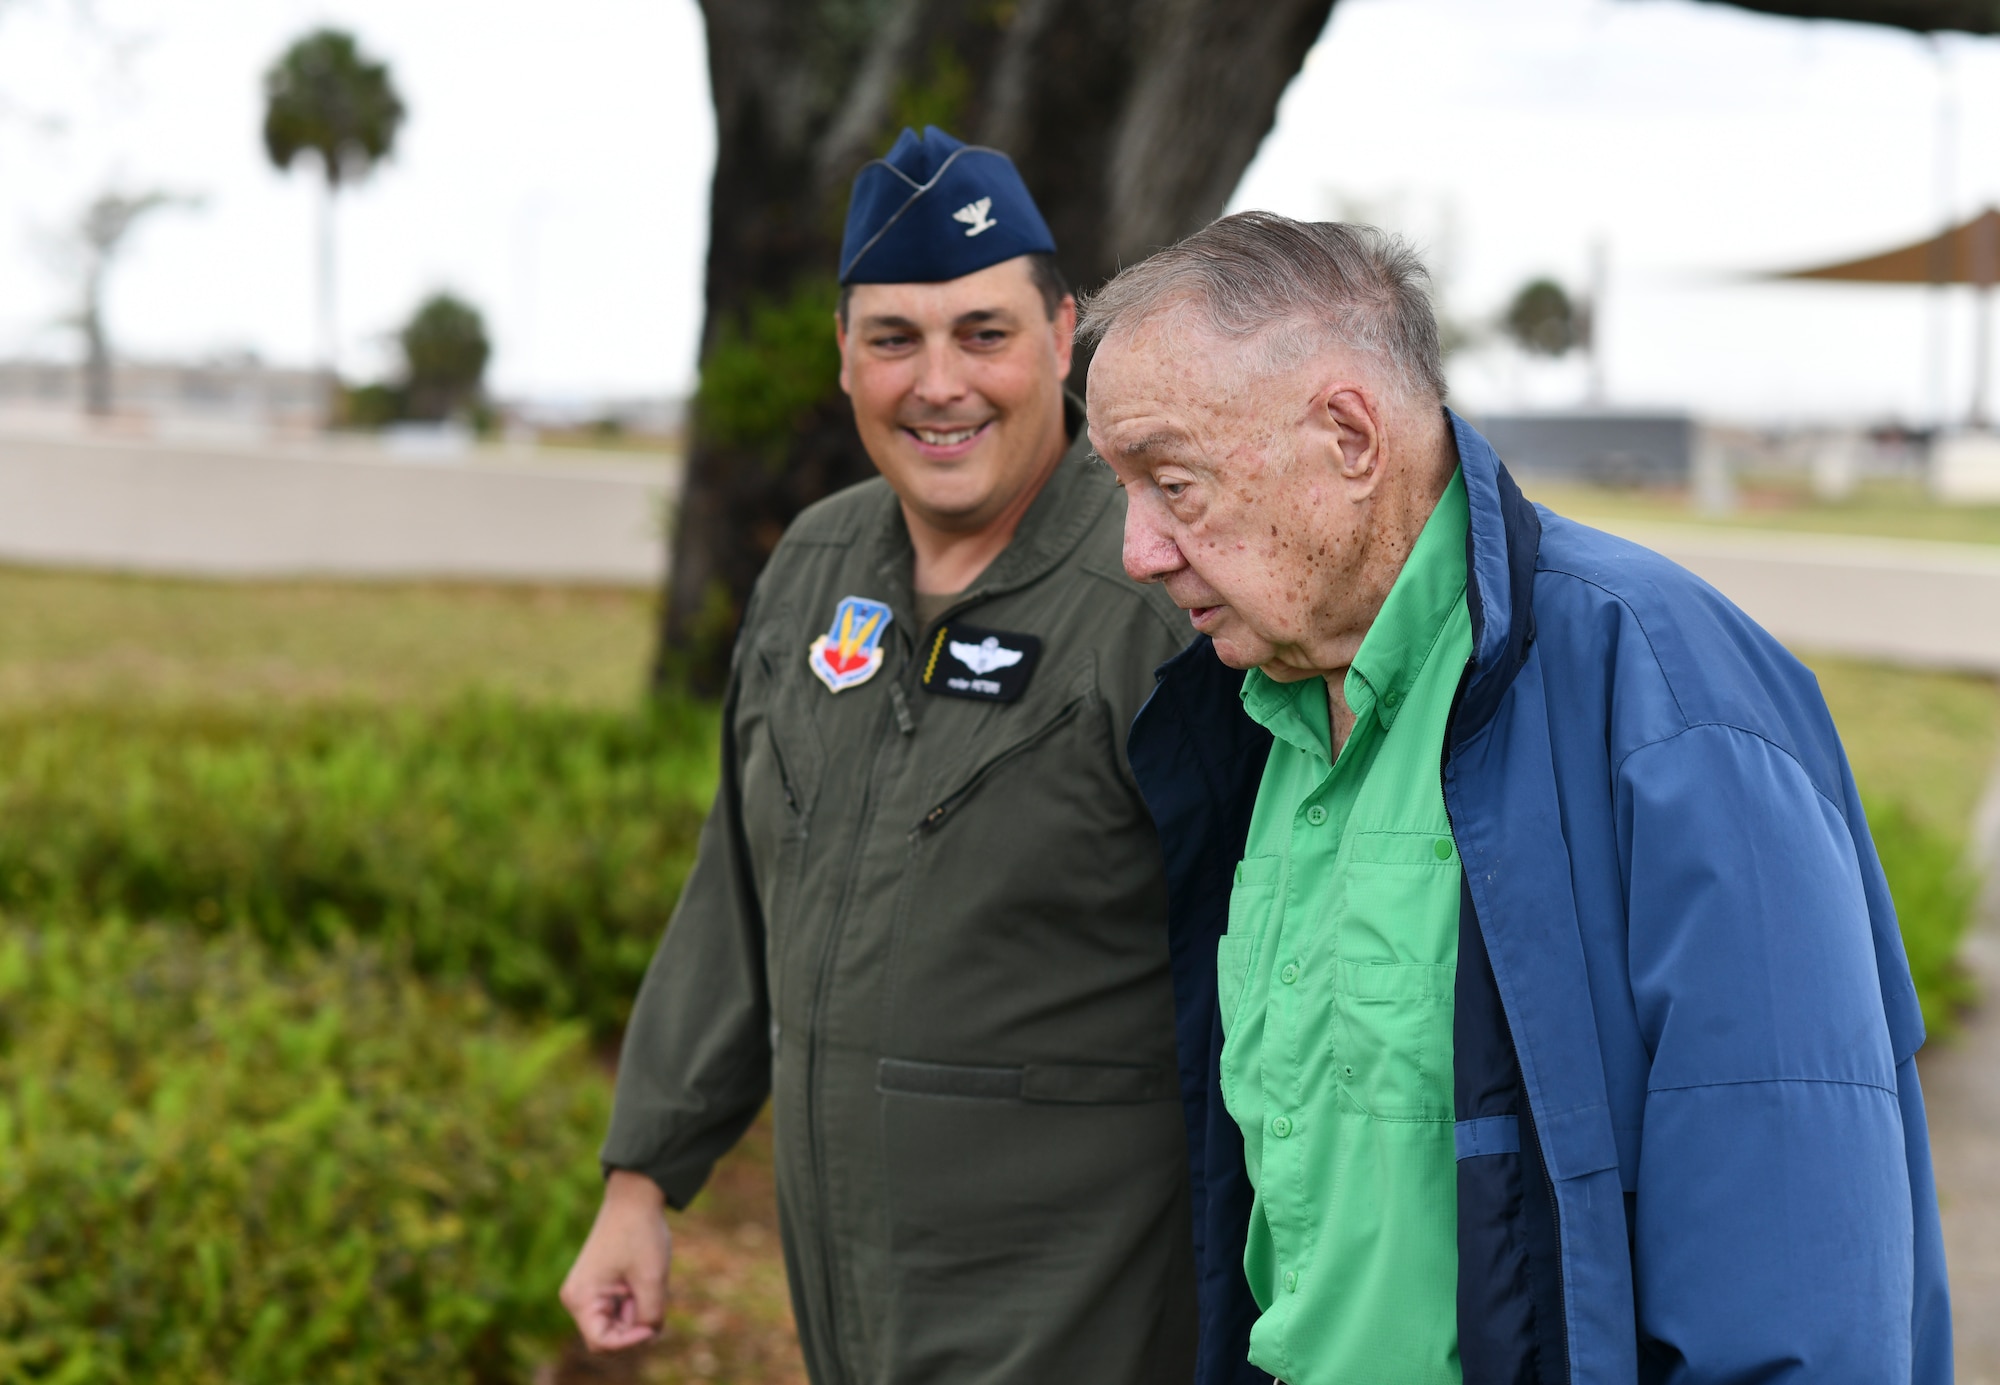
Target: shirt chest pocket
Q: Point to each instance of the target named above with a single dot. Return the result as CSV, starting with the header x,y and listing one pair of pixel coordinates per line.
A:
x,y
1394,975
1251,899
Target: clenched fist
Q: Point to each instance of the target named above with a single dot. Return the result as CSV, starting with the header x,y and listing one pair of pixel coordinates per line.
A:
x,y
617,1288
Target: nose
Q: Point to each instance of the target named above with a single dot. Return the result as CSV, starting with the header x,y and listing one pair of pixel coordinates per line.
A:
x,y
940,379
1151,553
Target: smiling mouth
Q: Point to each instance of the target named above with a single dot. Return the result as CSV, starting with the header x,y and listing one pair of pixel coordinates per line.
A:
x,y
941,437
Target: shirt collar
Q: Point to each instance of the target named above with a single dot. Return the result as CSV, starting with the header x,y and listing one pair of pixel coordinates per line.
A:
x,y
1426,592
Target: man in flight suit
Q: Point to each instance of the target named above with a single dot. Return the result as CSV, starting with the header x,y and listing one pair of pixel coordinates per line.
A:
x,y
927,917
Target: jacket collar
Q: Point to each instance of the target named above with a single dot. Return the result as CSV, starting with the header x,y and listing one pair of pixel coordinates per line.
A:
x,y
1503,539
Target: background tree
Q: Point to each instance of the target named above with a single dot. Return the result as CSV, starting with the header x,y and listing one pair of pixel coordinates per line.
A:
x,y
1921,16
91,250
445,350
324,96
1131,120
1543,320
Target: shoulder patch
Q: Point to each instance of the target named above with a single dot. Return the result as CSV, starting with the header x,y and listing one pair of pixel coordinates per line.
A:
x,y
851,651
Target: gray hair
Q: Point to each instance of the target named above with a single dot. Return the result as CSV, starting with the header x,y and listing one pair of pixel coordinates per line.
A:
x,y
1300,286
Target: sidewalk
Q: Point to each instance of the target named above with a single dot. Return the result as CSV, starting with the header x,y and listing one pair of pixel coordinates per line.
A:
x,y
1908,601
1962,1091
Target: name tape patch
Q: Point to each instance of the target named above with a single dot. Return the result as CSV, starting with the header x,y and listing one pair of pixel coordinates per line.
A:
x,y
984,665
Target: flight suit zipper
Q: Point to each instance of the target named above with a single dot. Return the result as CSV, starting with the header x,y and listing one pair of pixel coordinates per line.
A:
x,y
829,953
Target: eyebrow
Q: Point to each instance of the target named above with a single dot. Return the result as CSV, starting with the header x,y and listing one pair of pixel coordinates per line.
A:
x,y
1152,442
977,317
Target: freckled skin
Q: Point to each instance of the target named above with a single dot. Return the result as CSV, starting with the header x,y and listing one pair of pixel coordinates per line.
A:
x,y
1276,507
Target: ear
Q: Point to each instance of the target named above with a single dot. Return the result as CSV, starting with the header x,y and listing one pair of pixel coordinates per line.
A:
x,y
1353,425
1064,327
840,339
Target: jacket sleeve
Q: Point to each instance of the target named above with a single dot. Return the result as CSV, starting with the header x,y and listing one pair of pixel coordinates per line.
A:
x,y
696,1063
1775,1219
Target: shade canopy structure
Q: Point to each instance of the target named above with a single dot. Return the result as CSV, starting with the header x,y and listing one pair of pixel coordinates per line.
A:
x,y
1968,253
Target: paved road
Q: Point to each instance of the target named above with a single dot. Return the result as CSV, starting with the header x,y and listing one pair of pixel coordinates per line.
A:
x,y
1905,600
274,511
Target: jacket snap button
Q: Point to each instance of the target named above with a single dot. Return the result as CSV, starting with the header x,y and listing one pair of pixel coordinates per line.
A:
x,y
1289,974
1281,1126
1443,848
1316,815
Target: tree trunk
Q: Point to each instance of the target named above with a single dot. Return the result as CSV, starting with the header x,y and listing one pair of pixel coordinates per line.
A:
x,y
1922,16
1131,121
97,400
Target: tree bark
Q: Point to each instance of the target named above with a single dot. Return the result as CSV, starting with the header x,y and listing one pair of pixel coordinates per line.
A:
x,y
1922,16
1131,121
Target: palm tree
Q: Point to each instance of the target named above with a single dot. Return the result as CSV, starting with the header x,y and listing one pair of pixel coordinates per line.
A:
x,y
326,96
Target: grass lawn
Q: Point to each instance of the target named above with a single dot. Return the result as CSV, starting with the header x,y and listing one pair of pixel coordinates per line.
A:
x,y
1926,740
1883,508
68,637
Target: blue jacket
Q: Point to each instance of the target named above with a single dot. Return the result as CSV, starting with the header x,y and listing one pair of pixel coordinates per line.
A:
x,y
1691,1142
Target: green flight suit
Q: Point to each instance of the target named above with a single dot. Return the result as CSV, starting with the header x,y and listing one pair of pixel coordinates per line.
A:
x,y
933,929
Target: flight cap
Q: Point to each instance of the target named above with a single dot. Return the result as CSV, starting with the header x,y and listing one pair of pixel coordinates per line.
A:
x,y
935,208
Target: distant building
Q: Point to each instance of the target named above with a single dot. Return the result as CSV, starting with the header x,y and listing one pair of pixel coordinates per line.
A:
x,y
1599,447
226,397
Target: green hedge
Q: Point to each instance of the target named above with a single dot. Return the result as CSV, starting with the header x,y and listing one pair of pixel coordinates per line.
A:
x,y
1935,899
537,849
220,1167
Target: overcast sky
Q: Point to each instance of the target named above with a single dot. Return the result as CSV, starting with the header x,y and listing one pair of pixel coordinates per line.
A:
x,y
555,166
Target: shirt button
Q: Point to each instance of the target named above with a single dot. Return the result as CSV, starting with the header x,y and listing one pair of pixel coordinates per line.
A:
x,y
1289,974
1281,1126
1316,815
1291,1280
1392,697
1442,846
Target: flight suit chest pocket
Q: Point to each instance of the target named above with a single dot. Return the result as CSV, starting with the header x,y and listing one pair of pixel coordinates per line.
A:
x,y
1252,896
988,767
1394,974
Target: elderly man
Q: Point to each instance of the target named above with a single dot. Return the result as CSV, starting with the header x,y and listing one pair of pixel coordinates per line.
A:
x,y
927,915
1561,1019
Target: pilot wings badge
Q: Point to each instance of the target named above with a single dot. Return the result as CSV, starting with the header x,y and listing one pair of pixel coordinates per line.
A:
x,y
984,665
986,656
851,651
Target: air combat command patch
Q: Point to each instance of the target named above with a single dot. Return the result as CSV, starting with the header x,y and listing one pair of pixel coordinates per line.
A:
x,y
985,665
851,651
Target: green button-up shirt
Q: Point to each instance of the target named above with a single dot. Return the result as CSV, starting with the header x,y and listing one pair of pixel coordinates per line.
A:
x,y
1336,988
